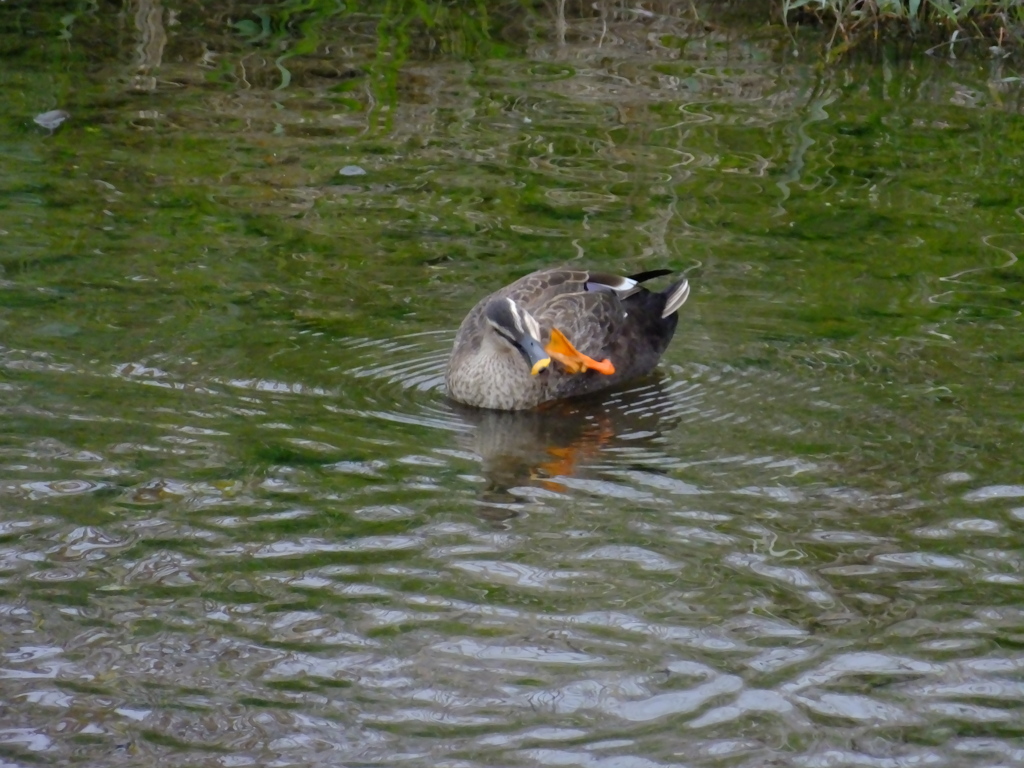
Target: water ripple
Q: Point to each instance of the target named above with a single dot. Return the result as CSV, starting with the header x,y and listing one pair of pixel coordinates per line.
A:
x,y
242,525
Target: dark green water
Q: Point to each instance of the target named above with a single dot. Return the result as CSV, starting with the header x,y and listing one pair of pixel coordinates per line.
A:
x,y
241,525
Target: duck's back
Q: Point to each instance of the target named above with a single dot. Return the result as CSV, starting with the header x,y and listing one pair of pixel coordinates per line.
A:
x,y
603,316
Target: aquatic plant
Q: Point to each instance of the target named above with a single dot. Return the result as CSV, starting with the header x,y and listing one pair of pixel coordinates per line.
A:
x,y
941,24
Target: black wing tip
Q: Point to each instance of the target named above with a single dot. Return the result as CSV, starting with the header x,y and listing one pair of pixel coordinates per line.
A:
x,y
650,275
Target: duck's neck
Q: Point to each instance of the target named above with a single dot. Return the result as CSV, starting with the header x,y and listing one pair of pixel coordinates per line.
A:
x,y
494,377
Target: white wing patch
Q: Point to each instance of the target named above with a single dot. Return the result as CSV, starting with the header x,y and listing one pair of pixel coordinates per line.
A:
x,y
622,285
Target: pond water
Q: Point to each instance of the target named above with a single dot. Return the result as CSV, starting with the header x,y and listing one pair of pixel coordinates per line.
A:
x,y
241,525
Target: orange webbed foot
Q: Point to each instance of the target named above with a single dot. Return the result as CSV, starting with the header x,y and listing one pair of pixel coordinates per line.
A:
x,y
574,361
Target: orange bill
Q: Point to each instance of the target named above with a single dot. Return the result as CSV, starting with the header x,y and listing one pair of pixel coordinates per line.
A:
x,y
575,361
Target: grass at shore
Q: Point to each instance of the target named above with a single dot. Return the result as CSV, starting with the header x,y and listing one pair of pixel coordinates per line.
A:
x,y
959,24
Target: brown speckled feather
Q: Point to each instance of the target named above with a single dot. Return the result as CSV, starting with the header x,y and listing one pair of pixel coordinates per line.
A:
x,y
603,316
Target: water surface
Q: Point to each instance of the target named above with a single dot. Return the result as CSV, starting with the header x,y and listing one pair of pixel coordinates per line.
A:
x,y
240,524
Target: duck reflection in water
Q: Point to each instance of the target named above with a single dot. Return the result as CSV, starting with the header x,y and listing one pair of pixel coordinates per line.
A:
x,y
562,439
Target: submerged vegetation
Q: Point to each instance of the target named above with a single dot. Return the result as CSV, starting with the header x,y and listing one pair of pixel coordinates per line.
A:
x,y
474,29
400,30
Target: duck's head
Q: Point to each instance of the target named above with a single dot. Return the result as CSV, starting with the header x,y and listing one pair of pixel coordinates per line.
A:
x,y
518,328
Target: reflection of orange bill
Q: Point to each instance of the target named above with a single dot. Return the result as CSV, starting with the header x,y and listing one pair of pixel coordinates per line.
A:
x,y
575,361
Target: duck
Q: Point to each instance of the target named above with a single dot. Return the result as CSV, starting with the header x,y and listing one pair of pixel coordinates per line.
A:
x,y
561,333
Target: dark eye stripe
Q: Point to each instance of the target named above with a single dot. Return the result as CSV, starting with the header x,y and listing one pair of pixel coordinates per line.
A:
x,y
502,331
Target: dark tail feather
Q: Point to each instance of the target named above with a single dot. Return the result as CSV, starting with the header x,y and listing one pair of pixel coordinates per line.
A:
x,y
675,297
